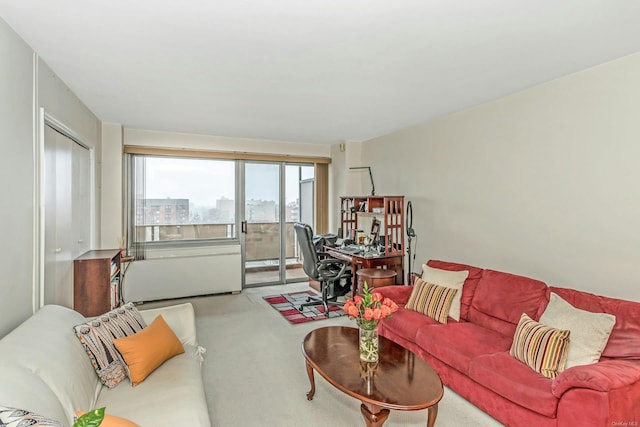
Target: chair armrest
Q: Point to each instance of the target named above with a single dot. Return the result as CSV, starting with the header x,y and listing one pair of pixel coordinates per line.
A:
x,y
397,293
327,255
180,318
326,262
602,376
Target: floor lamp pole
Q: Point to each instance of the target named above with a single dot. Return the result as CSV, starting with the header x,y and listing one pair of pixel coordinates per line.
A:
x,y
409,259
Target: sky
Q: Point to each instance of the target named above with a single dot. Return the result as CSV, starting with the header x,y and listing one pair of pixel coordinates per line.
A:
x,y
203,181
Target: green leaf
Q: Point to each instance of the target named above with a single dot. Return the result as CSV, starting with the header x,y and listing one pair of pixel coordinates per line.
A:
x,y
90,419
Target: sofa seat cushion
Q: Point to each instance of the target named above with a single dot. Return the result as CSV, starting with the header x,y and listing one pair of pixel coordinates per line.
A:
x,y
406,323
173,395
146,350
456,344
515,381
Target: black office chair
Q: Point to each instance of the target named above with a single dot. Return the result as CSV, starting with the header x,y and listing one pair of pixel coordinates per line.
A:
x,y
322,267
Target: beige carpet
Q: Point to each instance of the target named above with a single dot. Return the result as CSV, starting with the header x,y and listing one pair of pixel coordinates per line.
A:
x,y
255,373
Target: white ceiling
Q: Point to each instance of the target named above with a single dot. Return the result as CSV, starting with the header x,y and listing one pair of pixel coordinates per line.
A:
x,y
318,71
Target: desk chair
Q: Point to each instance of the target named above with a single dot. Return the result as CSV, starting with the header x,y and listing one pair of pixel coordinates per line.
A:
x,y
321,267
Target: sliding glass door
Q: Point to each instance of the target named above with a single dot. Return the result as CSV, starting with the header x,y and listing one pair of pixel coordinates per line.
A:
x,y
299,196
276,195
261,224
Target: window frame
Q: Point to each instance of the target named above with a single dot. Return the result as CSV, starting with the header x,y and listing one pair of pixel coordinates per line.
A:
x,y
130,153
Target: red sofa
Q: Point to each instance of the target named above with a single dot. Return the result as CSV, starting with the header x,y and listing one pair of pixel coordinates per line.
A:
x,y
472,355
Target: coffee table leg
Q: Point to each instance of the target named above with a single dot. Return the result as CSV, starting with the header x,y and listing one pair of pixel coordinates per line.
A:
x,y
375,416
312,381
431,415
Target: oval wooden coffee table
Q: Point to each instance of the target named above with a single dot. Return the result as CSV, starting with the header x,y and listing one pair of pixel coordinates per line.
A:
x,y
400,380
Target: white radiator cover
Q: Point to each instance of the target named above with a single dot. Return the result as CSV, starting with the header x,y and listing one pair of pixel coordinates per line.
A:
x,y
168,273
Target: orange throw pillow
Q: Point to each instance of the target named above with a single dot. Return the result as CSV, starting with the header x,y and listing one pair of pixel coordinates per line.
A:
x,y
112,421
146,350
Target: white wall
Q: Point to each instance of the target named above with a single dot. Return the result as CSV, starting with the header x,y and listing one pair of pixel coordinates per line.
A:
x,y
543,183
112,189
344,181
16,173
26,84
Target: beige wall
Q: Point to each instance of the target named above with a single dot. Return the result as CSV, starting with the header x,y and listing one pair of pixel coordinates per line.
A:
x,y
542,183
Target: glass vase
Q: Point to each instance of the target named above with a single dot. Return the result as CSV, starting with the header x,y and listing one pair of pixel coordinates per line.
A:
x,y
368,343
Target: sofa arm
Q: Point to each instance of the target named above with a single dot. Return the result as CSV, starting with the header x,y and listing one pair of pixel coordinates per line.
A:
x,y
181,318
602,376
398,293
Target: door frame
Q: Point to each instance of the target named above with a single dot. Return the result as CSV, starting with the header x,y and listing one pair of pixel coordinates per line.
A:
x,y
47,119
241,218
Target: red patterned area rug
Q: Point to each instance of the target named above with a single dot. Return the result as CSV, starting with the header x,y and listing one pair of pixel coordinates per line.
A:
x,y
287,305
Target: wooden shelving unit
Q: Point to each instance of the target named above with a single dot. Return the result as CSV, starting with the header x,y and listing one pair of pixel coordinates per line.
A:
x,y
97,278
389,210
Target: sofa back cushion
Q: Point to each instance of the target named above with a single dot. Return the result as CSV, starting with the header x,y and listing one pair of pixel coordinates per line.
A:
x,y
46,345
22,388
501,298
469,286
624,341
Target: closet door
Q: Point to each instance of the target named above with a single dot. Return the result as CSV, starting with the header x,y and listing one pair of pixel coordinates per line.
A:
x,y
81,200
67,213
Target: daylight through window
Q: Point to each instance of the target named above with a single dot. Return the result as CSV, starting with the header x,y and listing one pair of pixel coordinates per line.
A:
x,y
183,199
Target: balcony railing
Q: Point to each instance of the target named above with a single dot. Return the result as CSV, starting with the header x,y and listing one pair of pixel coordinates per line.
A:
x,y
262,240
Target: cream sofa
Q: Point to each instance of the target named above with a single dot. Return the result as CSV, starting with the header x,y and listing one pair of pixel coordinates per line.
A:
x,y
44,369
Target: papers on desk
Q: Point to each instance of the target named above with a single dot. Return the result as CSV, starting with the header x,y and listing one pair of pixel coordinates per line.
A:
x,y
352,249
370,255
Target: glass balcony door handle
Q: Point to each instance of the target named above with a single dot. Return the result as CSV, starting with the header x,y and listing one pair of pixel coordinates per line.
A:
x,y
57,250
243,227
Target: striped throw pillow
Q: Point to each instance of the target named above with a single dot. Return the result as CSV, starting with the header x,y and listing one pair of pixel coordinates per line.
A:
x,y
97,337
432,300
543,348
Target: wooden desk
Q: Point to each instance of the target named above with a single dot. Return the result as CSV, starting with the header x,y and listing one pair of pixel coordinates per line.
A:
x,y
395,262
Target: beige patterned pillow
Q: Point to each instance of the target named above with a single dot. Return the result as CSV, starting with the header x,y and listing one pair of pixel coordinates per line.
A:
x,y
432,300
97,338
450,279
589,331
544,349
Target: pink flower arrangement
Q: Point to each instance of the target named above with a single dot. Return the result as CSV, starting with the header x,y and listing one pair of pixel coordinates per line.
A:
x,y
369,308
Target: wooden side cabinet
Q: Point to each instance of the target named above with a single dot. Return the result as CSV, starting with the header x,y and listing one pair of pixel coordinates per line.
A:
x,y
97,277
